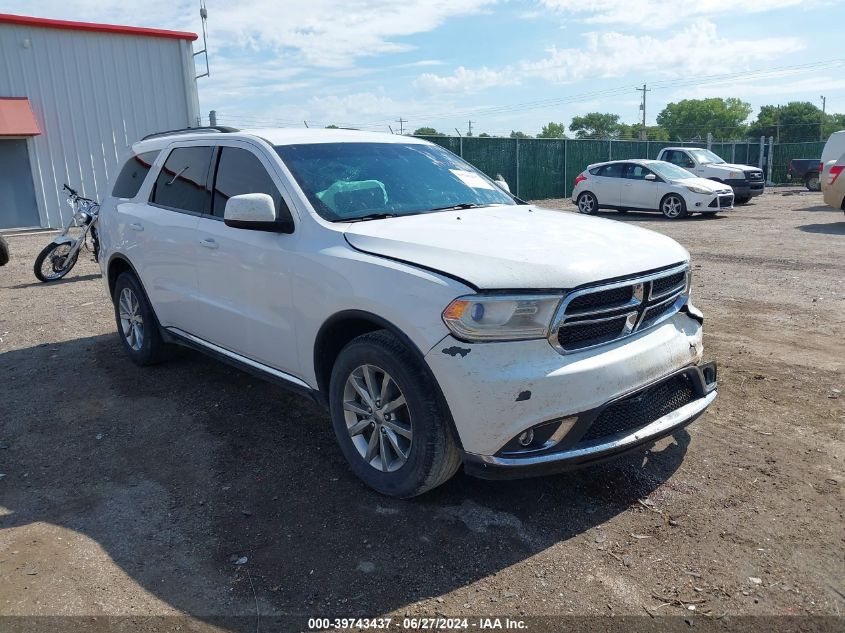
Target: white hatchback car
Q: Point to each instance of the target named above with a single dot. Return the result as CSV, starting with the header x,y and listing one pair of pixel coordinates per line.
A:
x,y
439,319
648,185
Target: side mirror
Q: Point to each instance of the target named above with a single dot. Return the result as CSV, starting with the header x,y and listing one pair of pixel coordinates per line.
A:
x,y
651,177
255,211
689,163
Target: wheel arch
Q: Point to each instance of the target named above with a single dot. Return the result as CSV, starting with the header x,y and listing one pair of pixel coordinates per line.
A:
x,y
341,328
338,330
117,265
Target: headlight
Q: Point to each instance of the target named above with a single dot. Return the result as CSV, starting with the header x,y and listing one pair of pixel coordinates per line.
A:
x,y
501,317
736,174
81,217
695,189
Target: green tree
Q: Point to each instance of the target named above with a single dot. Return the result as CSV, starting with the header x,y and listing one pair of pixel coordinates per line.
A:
x,y
553,130
484,135
332,126
796,122
596,125
694,118
833,123
427,131
520,135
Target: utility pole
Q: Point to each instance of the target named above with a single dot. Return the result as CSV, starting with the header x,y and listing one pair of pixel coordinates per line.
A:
x,y
401,123
821,126
469,128
644,90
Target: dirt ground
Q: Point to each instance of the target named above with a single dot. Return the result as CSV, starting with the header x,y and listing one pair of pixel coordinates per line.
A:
x,y
135,492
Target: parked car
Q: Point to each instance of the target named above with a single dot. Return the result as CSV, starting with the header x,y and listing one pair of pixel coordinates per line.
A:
x,y
439,319
648,185
834,192
834,147
804,170
746,181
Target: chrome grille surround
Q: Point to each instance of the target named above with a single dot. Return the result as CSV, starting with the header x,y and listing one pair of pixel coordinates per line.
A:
x,y
654,298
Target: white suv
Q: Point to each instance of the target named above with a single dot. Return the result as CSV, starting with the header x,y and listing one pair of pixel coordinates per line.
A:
x,y
441,320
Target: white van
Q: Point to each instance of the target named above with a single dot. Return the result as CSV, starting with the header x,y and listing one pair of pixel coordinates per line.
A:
x,y
833,149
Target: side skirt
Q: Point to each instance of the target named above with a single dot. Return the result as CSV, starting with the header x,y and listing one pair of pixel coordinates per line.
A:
x,y
243,363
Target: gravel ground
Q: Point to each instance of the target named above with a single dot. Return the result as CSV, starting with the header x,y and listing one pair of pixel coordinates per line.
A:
x,y
130,491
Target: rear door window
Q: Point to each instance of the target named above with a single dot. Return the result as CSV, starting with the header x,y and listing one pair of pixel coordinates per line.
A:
x,y
614,170
132,175
239,171
182,184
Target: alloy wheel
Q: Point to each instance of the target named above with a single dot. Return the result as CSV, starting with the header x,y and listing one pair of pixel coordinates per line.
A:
x,y
586,204
672,207
377,418
131,321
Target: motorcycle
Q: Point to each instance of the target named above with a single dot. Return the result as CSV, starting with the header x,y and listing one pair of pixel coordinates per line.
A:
x,y
58,258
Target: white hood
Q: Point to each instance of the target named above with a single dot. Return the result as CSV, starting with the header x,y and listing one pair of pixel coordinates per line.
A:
x,y
705,183
731,167
518,247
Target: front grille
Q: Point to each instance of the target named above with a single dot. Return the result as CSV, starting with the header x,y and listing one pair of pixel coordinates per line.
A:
x,y
754,175
722,201
602,300
592,333
642,408
598,315
664,285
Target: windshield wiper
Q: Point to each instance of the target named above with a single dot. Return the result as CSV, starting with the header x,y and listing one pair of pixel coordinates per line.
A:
x,y
462,205
371,216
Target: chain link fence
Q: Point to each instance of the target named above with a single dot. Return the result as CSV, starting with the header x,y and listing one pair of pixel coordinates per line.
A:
x,y
545,168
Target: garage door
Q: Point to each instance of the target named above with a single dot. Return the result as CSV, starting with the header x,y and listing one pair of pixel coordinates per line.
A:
x,y
17,194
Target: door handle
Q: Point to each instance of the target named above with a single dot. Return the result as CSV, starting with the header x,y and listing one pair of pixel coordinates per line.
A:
x,y
136,226
208,243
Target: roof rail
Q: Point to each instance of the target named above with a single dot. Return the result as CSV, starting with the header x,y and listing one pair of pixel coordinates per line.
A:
x,y
192,130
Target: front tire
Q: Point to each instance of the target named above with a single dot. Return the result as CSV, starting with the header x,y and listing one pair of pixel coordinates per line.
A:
x,y
388,419
53,262
137,324
673,206
742,200
587,203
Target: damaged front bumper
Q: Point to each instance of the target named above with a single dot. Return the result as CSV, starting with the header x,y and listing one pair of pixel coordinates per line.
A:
x,y
627,419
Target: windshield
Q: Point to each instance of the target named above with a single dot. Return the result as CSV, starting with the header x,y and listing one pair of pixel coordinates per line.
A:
x,y
705,156
349,181
669,171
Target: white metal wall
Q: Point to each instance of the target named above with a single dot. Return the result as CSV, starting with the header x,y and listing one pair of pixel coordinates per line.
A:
x,y
93,94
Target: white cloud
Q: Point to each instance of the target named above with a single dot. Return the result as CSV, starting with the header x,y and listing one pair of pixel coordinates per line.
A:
x,y
466,80
326,33
333,33
697,50
798,89
658,14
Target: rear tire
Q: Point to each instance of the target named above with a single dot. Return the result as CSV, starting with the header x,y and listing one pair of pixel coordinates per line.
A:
x,y
413,448
673,206
812,182
587,203
137,324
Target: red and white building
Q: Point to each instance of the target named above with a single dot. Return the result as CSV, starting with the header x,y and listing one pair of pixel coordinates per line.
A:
x,y
73,97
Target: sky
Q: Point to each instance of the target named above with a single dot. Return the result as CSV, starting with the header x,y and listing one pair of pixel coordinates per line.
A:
x,y
504,65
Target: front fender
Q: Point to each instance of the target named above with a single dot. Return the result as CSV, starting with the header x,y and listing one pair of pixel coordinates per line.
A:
x,y
63,239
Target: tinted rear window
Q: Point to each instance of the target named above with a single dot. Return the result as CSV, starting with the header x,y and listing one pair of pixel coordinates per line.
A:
x,y
182,182
132,175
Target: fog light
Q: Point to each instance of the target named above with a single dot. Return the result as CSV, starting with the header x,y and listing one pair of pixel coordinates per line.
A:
x,y
526,437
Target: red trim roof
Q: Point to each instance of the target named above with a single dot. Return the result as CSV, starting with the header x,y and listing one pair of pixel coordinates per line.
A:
x,y
16,117
25,20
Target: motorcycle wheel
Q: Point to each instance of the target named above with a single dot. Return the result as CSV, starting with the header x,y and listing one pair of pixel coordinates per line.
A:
x,y
52,262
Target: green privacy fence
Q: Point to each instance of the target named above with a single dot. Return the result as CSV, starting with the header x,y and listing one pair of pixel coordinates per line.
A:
x,y
545,168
